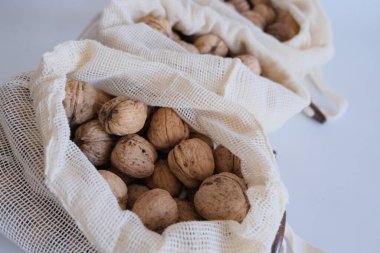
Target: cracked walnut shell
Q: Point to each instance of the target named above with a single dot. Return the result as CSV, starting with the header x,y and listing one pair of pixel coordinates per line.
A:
x,y
94,142
222,197
134,156
156,209
122,116
167,129
82,101
191,161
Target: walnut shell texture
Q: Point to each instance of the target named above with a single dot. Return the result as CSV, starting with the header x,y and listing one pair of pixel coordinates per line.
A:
x,y
240,5
164,179
134,156
158,23
225,161
127,179
191,161
267,12
82,101
134,192
94,142
211,44
203,137
255,18
167,129
285,26
222,197
118,187
186,211
122,116
156,209
251,62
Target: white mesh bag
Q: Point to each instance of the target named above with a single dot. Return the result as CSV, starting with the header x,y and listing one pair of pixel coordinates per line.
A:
x,y
36,138
288,63
54,200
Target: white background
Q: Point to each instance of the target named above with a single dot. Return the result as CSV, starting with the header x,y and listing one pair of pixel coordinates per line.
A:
x,y
332,171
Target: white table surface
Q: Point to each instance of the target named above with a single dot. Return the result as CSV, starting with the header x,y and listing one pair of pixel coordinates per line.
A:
x,y
332,171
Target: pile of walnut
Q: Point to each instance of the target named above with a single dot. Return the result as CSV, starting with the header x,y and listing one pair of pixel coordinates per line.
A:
x,y
153,162
200,44
279,23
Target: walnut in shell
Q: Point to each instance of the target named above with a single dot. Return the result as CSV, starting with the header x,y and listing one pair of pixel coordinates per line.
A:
x,y
203,137
82,101
164,179
134,192
211,44
240,5
122,116
161,24
118,187
167,129
267,12
94,142
251,62
257,2
127,179
222,197
255,18
189,47
186,211
225,161
284,28
191,161
156,209
134,156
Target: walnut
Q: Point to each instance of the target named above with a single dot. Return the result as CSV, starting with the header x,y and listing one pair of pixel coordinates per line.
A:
x,y
284,28
163,178
255,18
189,47
82,101
211,44
225,161
134,156
240,5
267,12
161,24
94,142
118,187
186,211
134,192
191,161
167,129
203,137
156,209
222,197
251,62
122,116
127,179
257,2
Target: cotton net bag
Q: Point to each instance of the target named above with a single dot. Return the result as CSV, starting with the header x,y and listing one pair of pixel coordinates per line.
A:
x,y
53,199
291,63
40,163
